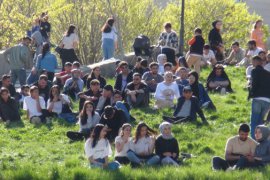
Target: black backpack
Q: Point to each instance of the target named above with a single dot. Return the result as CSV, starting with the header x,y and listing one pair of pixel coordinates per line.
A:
x,y
141,45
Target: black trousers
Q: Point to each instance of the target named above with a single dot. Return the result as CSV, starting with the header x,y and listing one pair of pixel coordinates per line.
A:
x,y
122,160
170,53
68,55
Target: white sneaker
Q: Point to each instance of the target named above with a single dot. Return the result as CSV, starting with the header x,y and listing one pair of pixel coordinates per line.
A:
x,y
230,169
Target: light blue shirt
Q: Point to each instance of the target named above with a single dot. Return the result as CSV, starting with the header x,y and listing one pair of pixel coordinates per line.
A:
x,y
49,62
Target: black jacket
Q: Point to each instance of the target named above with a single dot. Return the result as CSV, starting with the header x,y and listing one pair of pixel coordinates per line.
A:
x,y
118,82
197,47
166,145
101,80
9,110
11,88
260,83
195,108
214,38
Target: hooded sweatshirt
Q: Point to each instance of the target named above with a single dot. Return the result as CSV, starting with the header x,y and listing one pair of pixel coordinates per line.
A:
x,y
263,149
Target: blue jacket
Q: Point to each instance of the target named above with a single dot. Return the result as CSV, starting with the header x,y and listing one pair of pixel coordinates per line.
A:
x,y
49,62
195,108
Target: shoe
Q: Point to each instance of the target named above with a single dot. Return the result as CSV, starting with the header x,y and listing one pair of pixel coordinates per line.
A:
x,y
230,169
35,120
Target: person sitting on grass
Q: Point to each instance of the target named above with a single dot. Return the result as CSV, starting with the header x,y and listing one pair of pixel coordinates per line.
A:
x,y
122,144
166,91
98,149
88,119
199,91
142,148
137,94
161,60
43,87
182,77
167,146
6,83
61,77
123,78
95,74
92,94
105,99
168,67
236,147
113,119
9,109
23,93
186,109
152,78
218,80
209,57
74,85
236,55
141,67
59,105
261,156
35,106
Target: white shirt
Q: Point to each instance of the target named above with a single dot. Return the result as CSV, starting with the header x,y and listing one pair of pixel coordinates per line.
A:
x,y
209,56
57,106
163,89
70,40
248,71
30,104
267,67
91,122
254,52
101,150
125,149
142,146
111,35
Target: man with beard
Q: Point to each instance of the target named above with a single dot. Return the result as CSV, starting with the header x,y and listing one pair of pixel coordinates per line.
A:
x,y
152,78
236,147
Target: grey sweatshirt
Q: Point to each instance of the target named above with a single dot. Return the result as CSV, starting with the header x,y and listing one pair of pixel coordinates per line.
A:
x,y
263,149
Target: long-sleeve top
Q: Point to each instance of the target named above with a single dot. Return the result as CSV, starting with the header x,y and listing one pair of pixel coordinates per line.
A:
x,y
17,56
214,38
170,40
118,83
166,145
263,151
195,108
92,121
48,62
163,89
9,110
236,56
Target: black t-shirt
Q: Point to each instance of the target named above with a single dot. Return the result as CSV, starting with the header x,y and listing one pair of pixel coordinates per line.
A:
x,y
45,28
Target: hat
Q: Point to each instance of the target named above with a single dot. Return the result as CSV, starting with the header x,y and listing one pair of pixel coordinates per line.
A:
x,y
108,111
108,88
187,88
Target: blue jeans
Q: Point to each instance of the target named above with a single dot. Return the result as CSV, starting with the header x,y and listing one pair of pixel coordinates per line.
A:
x,y
108,48
111,166
18,74
259,108
120,105
69,117
149,160
32,78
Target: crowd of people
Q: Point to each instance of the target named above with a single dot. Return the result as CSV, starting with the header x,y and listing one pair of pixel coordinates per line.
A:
x,y
103,114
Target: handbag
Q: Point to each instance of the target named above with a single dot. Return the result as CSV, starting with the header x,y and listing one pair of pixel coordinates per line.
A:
x,y
59,49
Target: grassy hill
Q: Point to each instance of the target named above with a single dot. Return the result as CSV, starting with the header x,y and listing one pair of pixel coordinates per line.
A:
x,y
44,152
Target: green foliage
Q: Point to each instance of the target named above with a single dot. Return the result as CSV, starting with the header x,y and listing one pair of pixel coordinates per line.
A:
x,y
44,152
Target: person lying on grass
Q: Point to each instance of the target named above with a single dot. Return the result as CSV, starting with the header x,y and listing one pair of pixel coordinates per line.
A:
x,y
122,144
261,156
9,109
88,119
186,108
142,148
236,147
98,149
167,146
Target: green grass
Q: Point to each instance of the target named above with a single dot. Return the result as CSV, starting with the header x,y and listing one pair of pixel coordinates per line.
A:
x,y
44,152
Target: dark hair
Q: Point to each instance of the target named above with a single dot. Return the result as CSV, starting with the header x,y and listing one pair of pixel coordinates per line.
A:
x,y
107,27
45,49
206,46
108,111
91,75
215,23
122,63
96,134
144,63
94,82
255,24
139,59
167,25
50,93
83,114
252,42
117,92
3,89
150,131
236,43
68,64
26,38
198,30
43,77
195,85
152,64
256,58
137,74
77,64
33,88
108,88
5,76
168,64
70,30
24,87
261,52
244,127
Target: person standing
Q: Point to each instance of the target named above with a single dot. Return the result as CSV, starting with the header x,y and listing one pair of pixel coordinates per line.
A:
x,y
17,57
69,43
45,28
169,43
109,39
257,34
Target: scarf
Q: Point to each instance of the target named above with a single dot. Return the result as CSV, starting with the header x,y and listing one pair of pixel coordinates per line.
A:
x,y
162,127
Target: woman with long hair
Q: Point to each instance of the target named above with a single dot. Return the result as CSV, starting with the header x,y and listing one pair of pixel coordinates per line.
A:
x,y
46,60
98,149
257,34
95,74
122,144
69,43
109,39
142,148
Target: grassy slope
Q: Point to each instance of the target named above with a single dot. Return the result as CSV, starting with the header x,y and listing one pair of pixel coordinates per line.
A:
x,y
44,152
